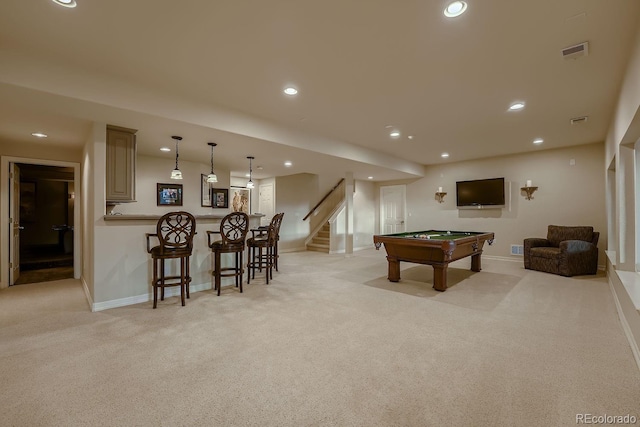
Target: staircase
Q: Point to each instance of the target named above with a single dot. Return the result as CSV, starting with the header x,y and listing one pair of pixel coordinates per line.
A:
x,y
322,216
320,241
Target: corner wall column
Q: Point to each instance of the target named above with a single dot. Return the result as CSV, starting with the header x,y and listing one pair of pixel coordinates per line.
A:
x,y
349,189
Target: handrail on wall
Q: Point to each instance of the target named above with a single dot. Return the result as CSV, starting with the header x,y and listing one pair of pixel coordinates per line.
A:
x,y
323,199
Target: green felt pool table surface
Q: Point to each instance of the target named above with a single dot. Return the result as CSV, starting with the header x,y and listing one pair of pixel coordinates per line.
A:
x,y
435,234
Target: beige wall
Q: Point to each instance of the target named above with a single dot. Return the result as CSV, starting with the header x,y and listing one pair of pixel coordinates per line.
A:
x,y
620,165
364,219
567,195
151,171
294,197
364,214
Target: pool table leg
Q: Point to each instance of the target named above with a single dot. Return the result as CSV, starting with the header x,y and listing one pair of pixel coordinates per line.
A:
x,y
440,277
475,263
394,270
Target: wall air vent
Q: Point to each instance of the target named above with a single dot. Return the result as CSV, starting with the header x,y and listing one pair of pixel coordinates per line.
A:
x,y
573,52
579,120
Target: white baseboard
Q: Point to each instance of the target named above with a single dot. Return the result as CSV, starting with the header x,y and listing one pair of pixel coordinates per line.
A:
x,y
518,259
300,249
359,248
138,299
635,350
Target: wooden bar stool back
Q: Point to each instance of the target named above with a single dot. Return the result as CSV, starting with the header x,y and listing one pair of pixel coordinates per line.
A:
x,y
233,233
262,249
174,231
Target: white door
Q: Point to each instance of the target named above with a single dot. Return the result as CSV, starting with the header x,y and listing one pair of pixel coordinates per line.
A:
x,y
265,203
392,209
14,209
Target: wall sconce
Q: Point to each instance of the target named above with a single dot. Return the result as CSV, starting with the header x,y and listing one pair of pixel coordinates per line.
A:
x,y
440,195
529,189
250,183
176,174
212,176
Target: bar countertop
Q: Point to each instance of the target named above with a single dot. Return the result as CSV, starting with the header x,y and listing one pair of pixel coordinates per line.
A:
x,y
155,217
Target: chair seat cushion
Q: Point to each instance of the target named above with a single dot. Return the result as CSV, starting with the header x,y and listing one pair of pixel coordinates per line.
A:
x,y
219,245
545,252
258,242
170,253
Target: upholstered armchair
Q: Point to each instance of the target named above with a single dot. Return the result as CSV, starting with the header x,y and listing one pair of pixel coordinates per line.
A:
x,y
568,251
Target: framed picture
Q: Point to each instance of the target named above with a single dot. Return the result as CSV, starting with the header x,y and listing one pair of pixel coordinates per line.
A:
x,y
220,197
205,191
241,200
169,194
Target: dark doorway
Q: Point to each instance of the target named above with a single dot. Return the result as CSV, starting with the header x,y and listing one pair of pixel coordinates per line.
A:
x,y
46,223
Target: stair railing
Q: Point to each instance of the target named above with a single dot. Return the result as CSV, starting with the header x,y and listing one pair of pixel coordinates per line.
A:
x,y
323,199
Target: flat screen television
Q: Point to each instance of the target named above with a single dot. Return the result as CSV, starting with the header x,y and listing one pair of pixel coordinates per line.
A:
x,y
480,192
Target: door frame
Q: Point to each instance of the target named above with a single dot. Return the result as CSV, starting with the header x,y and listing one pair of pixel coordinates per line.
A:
x,y
5,229
403,189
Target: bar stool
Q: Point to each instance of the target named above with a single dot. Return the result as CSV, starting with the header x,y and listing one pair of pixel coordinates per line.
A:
x,y
174,231
233,232
265,241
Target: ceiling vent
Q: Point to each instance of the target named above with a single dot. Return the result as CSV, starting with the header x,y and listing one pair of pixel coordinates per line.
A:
x,y
573,52
579,120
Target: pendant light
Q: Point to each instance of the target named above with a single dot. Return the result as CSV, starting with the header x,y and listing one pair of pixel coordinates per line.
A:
x,y
212,176
250,183
176,174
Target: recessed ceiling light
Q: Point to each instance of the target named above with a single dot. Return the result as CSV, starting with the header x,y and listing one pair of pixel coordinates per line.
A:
x,y
444,155
288,163
66,3
291,91
538,141
247,175
455,8
410,136
394,134
165,149
369,177
39,135
516,106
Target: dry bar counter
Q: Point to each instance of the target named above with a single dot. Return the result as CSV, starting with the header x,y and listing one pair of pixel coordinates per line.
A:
x,y
432,247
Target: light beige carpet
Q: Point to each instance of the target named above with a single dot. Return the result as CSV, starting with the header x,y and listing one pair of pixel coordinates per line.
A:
x,y
329,342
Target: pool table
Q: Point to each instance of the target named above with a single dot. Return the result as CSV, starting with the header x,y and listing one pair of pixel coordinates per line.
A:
x,y
433,247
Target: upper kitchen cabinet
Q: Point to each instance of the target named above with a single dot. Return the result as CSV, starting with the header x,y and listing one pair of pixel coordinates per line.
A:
x,y
121,164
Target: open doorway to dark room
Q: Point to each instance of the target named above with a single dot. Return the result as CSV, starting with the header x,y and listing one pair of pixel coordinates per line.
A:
x,y
47,198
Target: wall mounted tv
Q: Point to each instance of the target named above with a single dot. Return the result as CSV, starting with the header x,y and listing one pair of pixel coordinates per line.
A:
x,y
480,192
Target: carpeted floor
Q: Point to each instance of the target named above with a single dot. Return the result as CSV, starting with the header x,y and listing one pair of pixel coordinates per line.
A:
x,y
329,342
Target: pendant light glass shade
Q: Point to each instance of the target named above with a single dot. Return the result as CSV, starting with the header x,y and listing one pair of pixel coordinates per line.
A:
x,y
212,176
250,183
176,174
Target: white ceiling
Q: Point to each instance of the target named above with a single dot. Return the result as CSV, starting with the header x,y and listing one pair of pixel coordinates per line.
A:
x,y
215,70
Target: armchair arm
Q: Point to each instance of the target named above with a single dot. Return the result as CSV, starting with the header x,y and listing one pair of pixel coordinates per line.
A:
x,y
578,257
209,233
261,232
535,242
575,246
532,242
149,235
